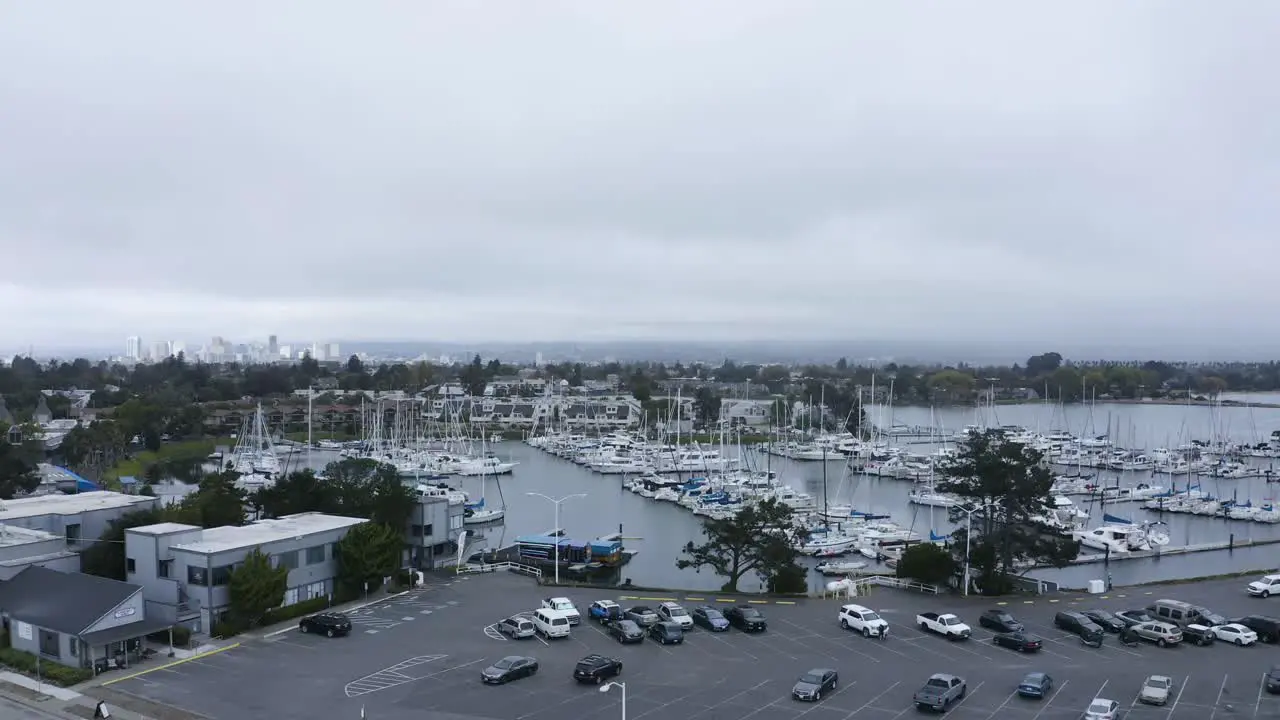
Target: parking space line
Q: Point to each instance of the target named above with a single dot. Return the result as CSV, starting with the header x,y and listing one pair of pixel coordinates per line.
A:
x,y
762,708
726,643
968,695
1181,689
166,666
1218,702
818,704
824,638
562,703
995,712
729,699
1262,685
872,701
669,703
1053,697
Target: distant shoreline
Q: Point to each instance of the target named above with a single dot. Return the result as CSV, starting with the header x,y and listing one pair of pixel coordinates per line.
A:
x,y
1116,401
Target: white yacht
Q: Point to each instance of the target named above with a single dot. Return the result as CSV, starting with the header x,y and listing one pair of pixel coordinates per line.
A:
x,y
488,465
1118,536
929,498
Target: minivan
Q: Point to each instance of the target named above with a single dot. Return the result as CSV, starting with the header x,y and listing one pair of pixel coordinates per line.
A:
x,y
551,623
1176,612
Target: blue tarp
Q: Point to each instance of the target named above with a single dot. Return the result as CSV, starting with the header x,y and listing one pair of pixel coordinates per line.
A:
x,y
82,485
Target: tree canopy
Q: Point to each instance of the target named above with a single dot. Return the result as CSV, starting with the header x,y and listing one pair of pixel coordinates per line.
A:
x,y
19,464
256,587
368,553
354,487
1007,487
758,538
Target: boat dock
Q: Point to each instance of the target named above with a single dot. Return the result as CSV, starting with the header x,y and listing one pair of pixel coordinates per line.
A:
x,y
1089,558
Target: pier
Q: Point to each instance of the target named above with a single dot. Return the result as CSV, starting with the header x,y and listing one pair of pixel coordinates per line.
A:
x,y
1089,558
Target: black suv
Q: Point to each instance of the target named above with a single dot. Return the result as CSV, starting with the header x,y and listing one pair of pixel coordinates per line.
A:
x,y
667,633
746,618
1105,620
596,669
330,624
1078,624
1267,627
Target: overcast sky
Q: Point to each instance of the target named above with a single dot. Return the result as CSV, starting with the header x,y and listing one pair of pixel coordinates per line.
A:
x,y
705,170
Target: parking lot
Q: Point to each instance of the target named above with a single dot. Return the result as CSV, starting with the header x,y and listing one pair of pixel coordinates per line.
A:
x,y
420,656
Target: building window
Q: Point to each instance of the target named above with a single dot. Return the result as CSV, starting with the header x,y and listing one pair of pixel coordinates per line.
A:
x,y
335,550
286,560
222,575
315,554
415,530
455,522
73,644
290,597
196,576
73,534
428,530
165,569
49,644
314,590
130,566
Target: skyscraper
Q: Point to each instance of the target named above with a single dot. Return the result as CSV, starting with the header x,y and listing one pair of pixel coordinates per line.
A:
x,y
273,348
133,347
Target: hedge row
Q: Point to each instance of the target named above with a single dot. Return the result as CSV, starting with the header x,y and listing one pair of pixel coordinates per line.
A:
x,y
181,636
235,626
49,671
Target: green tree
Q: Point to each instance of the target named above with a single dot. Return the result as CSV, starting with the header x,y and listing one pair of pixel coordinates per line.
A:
x,y
927,563
367,554
369,489
255,587
1038,365
1007,488
706,406
758,538
218,502
19,464
297,492
473,377
106,558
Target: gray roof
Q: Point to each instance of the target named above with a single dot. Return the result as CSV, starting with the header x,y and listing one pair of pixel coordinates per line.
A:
x,y
66,602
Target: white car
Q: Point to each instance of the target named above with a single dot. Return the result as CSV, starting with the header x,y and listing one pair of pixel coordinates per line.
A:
x,y
564,605
1235,633
1265,587
1156,690
675,613
1101,709
863,620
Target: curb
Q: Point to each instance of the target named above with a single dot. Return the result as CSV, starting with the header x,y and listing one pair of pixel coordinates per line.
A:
x,y
681,597
361,606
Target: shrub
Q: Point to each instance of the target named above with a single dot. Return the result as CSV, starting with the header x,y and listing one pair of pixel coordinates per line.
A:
x,y
52,672
289,612
927,563
230,628
181,636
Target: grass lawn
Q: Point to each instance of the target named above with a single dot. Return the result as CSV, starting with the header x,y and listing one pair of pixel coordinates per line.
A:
x,y
136,465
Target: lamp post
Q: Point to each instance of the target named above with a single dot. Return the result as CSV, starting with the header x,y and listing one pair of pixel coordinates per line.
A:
x,y
621,686
556,502
968,532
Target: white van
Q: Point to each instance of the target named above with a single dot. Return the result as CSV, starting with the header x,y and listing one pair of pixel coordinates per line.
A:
x,y
551,623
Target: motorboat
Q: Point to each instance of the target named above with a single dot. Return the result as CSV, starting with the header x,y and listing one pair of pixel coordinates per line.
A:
x,y
832,568
1118,535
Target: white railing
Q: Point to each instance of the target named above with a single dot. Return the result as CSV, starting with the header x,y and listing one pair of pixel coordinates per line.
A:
x,y
854,587
494,567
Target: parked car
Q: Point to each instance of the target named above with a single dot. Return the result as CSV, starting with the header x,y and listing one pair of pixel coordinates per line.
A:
x,y
1209,618
666,633
746,618
625,631
940,692
1133,617
1035,685
1102,709
1020,641
1235,634
1162,634
642,615
1267,627
811,685
1272,680
596,669
1000,621
1105,620
1078,624
604,611
329,624
512,667
674,612
709,618
565,606
1198,635
517,627
945,624
1267,586
1156,690
864,620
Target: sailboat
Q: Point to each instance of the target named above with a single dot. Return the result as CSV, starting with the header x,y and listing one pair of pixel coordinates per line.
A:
x,y
478,513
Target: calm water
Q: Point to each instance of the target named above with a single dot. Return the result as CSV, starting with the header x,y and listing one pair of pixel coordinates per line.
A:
x,y
660,530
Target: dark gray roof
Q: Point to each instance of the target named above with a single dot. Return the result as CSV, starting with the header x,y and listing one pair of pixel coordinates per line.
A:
x,y
66,602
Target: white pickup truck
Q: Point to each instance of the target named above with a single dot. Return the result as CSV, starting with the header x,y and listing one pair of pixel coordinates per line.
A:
x,y
945,624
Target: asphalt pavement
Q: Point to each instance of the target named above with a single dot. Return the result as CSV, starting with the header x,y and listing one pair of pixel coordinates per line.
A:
x,y
420,655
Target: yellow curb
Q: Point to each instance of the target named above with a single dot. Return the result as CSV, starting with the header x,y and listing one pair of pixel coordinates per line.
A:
x,y
694,599
1002,602
758,602
728,600
784,602
166,666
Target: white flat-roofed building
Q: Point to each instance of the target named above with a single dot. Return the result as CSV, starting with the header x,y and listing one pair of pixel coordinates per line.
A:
x,y
184,570
21,548
79,518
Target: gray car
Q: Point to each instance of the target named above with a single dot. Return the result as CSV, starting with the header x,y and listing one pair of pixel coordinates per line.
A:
x,y
811,685
641,615
1156,690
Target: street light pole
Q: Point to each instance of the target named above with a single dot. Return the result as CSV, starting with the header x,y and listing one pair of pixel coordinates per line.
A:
x,y
621,686
556,502
968,533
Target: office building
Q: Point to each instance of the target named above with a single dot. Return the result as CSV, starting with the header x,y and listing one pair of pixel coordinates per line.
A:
x,y
273,348
184,570
133,347
434,528
21,548
79,519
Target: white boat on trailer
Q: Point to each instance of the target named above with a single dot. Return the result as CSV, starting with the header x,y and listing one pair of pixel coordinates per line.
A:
x,y
832,568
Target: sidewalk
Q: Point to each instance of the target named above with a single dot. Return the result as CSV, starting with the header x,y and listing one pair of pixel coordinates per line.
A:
x,y
80,700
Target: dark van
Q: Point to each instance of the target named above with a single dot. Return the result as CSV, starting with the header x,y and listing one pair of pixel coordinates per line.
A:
x,y
1078,624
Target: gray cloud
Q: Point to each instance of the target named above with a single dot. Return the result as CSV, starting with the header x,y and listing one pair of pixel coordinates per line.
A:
x,y
577,170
